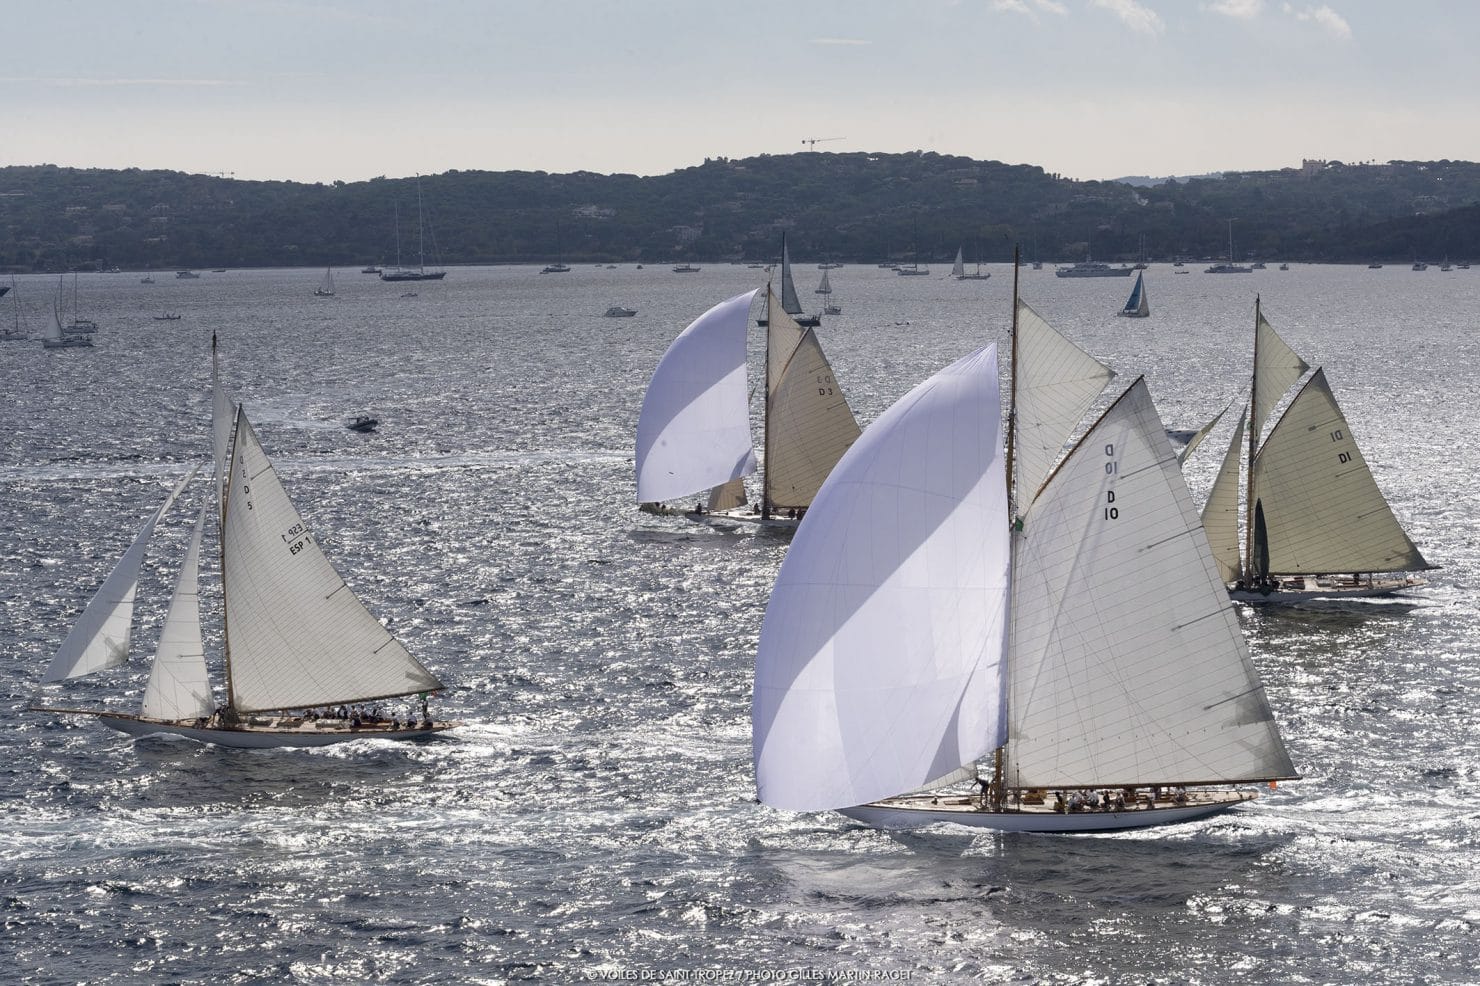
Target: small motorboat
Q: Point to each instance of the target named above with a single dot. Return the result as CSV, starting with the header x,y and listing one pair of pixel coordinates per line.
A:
x,y
167,317
617,311
363,423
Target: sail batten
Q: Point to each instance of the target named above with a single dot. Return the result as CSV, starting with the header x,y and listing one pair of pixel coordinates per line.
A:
x,y
294,639
694,430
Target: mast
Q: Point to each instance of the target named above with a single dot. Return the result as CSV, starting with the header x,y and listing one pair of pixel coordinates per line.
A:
x,y
999,755
1247,565
421,260
766,399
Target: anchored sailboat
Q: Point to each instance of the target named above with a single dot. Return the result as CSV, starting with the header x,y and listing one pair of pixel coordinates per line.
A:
x,y
326,286
694,430
1069,618
958,269
825,288
1315,523
1137,306
295,635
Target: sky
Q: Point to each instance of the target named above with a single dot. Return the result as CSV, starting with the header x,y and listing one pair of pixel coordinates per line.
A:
x,y
325,90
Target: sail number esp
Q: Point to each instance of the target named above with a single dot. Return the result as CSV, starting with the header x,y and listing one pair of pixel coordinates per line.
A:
x,y
297,538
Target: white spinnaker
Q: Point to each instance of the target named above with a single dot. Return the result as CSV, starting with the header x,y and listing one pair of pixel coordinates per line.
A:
x,y
296,634
810,427
1276,368
880,658
1323,512
1127,666
1056,383
1220,512
100,637
179,686
694,430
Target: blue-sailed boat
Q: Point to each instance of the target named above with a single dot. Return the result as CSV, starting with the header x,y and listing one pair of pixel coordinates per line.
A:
x,y
1135,305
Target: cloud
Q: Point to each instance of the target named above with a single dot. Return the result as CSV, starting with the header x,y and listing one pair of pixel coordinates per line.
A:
x,y
64,83
1324,17
1133,14
839,41
1243,10
1029,7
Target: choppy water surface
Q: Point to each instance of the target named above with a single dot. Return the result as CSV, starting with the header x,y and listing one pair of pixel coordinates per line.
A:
x,y
596,815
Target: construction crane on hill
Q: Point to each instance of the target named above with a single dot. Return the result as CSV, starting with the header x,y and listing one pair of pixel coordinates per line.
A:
x,y
812,142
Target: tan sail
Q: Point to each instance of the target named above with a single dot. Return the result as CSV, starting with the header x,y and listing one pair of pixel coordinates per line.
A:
x,y
727,496
783,335
297,636
810,427
1276,368
1220,513
1323,512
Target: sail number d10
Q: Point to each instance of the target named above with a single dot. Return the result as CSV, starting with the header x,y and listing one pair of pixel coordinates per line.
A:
x,y
1112,469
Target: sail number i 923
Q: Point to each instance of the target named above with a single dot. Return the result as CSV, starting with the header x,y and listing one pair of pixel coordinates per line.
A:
x,y
297,538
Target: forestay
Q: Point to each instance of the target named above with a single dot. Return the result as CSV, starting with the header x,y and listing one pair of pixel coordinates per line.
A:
x,y
1127,663
1056,383
880,658
100,637
179,687
296,634
1323,512
694,429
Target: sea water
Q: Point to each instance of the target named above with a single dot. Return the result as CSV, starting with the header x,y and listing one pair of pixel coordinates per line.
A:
x,y
595,818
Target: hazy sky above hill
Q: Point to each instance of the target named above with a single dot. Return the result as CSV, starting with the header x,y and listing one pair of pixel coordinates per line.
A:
x,y
317,90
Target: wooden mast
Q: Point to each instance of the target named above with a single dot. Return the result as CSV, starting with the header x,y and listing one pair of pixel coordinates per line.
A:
x,y
999,756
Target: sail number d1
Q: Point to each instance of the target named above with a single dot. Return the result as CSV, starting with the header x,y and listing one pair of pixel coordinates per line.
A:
x,y
1112,469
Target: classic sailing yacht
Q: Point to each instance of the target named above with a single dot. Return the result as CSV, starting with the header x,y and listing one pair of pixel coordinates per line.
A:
x,y
399,273
694,430
295,635
956,597
1136,306
791,303
1315,523
326,287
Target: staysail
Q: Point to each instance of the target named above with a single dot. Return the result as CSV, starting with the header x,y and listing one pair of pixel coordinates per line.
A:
x,y
1220,512
1127,666
1322,509
296,634
179,686
1056,384
913,519
694,430
100,637
789,300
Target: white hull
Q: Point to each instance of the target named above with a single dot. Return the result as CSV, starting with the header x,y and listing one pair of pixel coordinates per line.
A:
x,y
917,810
1306,590
282,733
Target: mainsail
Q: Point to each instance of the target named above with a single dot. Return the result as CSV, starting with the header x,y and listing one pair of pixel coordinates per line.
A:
x,y
179,686
1322,509
694,429
100,637
1276,368
296,634
958,269
1127,666
809,426
789,300
853,703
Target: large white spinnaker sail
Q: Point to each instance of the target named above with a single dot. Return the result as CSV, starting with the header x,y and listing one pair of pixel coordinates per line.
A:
x,y
1127,667
100,637
179,686
694,430
1322,510
1056,384
296,634
880,659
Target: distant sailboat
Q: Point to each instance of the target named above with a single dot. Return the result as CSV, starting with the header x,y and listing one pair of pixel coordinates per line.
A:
x,y
825,288
791,302
950,601
1315,523
56,338
694,430
326,287
399,273
1137,306
958,269
295,634
15,334
1230,267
